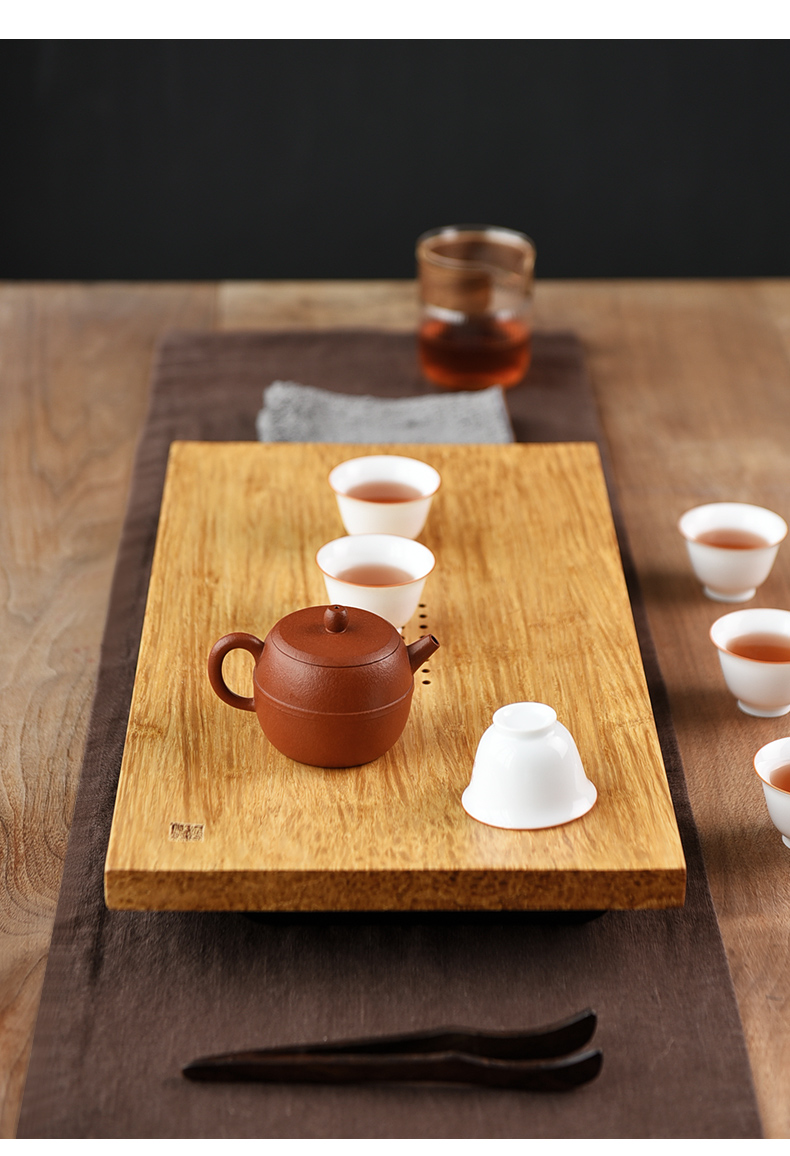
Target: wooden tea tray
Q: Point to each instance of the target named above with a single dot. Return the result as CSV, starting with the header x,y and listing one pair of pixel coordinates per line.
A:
x,y
528,601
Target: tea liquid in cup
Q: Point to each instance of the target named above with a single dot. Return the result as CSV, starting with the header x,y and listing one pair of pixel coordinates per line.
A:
x,y
382,573
732,547
384,494
754,652
772,764
476,296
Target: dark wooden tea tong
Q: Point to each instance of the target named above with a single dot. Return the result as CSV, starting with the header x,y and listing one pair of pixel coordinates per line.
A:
x,y
537,1060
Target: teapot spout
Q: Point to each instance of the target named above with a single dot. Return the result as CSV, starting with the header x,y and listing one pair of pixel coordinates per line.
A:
x,y
421,650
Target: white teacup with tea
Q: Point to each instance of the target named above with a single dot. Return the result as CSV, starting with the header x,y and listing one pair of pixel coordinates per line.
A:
x,y
772,764
754,652
384,494
732,547
382,573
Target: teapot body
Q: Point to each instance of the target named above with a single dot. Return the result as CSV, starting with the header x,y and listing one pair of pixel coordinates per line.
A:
x,y
331,738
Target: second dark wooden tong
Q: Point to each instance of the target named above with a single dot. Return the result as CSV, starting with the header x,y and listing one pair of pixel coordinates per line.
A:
x,y
540,1059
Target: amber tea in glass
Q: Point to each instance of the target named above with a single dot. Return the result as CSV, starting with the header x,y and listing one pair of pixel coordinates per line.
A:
x,y
476,297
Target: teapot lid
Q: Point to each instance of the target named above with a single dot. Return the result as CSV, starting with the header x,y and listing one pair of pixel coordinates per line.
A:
x,y
336,636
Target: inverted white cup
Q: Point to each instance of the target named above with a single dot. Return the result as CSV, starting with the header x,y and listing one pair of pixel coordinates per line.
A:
x,y
395,602
769,758
527,772
761,688
732,575
405,517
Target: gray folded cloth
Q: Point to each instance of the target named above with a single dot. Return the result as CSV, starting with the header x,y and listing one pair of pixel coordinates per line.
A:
x,y
302,413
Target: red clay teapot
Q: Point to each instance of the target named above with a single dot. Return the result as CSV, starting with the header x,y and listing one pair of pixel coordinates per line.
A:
x,y
332,685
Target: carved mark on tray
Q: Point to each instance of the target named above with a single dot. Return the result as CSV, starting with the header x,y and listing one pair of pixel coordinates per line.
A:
x,y
186,832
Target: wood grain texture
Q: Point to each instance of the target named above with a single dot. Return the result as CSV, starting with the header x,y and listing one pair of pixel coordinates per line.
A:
x,y
388,305
693,382
530,602
74,370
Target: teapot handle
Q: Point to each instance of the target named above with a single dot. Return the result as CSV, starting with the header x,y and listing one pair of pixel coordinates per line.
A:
x,y
237,641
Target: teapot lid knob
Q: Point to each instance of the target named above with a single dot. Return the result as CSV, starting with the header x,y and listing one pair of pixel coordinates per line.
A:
x,y
335,619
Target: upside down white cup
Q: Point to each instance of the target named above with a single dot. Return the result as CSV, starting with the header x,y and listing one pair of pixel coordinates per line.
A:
x,y
761,688
527,772
395,601
405,517
768,759
727,574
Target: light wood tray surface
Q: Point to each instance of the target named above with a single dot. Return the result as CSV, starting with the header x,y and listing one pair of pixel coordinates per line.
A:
x,y
529,603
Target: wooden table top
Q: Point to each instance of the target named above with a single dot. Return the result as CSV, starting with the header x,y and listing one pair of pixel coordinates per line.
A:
x,y
693,383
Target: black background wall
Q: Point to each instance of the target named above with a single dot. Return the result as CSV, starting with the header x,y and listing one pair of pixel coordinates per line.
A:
x,y
279,159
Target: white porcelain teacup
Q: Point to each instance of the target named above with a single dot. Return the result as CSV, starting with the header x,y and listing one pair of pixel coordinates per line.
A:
x,y
527,772
384,494
754,652
732,547
382,573
773,762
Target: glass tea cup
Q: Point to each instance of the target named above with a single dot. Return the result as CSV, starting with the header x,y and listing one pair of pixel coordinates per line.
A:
x,y
476,286
384,494
382,573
